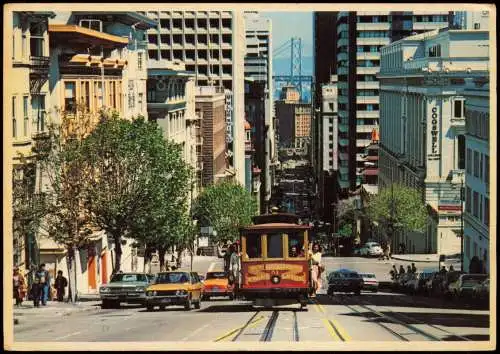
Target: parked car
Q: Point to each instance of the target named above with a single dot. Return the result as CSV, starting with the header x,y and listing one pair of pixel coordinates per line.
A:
x,y
416,284
465,284
432,283
371,249
356,251
399,283
370,282
345,281
449,279
125,287
482,291
217,284
175,288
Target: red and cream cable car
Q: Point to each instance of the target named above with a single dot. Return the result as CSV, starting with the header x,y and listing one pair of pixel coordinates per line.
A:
x,y
275,261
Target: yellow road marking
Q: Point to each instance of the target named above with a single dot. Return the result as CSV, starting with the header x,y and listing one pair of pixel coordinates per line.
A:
x,y
341,330
330,329
233,331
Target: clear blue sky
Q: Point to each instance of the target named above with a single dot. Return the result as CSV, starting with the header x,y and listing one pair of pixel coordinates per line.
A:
x,y
292,24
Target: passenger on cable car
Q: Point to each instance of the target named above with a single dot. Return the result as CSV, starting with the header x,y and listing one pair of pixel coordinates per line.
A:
x,y
316,267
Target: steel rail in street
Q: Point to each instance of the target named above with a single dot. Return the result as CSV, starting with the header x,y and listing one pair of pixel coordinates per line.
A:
x,y
269,329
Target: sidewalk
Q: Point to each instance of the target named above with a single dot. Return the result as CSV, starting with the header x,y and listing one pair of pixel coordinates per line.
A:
x,y
53,308
430,258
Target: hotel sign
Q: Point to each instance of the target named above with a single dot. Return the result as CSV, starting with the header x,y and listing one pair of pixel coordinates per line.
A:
x,y
434,133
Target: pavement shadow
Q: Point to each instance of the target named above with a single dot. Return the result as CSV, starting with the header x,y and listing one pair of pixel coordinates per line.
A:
x,y
246,308
400,300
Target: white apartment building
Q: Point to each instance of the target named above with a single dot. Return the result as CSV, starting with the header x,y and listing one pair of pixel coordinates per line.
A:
x,y
422,126
329,137
360,36
60,60
211,44
477,172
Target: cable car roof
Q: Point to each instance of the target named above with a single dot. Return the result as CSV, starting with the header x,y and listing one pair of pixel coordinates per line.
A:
x,y
276,218
273,226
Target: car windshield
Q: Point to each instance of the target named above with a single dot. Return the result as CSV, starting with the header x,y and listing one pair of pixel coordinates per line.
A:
x,y
367,275
128,278
372,245
172,278
216,275
349,275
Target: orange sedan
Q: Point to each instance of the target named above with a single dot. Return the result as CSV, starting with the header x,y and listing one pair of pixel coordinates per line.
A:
x,y
217,284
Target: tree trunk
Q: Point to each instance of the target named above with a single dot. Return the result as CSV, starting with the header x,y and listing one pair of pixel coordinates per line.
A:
x,y
118,252
161,255
179,257
147,260
72,285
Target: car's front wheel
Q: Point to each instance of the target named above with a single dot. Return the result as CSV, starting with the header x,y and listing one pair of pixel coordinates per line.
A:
x,y
197,304
187,304
149,308
106,304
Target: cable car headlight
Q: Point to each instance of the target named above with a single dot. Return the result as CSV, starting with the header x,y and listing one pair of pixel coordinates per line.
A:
x,y
275,279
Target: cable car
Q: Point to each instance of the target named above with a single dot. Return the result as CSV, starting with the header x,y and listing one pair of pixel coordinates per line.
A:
x,y
275,261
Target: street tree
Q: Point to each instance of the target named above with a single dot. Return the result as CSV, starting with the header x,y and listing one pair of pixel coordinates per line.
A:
x,y
226,207
64,174
137,181
28,208
398,205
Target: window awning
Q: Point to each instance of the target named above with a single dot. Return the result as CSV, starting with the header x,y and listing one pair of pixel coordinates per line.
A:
x,y
72,34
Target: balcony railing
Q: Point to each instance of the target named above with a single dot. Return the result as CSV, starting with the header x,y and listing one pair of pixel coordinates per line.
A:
x,y
39,65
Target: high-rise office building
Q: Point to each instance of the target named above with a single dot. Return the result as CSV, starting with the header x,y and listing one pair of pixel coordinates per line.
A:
x,y
212,46
258,66
359,38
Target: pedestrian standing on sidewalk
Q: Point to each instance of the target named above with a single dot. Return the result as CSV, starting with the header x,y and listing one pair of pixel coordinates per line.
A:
x,y
408,270
60,284
413,268
401,270
394,272
43,278
19,286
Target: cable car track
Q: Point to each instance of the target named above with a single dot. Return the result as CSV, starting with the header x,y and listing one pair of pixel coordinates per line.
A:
x,y
399,334
269,329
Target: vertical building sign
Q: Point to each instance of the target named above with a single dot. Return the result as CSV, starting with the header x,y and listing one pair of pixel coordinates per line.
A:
x,y
433,132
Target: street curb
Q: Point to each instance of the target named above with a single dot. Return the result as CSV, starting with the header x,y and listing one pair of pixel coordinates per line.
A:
x,y
414,260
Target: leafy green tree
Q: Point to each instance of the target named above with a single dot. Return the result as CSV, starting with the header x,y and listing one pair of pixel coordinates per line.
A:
x,y
138,182
402,206
59,158
28,206
346,230
226,207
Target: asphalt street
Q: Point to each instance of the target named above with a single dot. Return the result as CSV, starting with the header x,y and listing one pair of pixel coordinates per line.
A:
x,y
383,316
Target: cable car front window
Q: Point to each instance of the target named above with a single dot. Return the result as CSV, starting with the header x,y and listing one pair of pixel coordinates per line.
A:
x,y
254,246
275,245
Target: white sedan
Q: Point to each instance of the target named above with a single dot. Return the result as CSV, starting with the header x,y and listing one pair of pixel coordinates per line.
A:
x,y
371,249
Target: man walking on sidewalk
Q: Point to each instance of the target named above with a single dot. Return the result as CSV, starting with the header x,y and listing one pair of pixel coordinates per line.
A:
x,y
60,284
41,286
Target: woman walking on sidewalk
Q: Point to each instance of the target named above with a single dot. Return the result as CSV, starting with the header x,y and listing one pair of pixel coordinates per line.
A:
x,y
19,286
